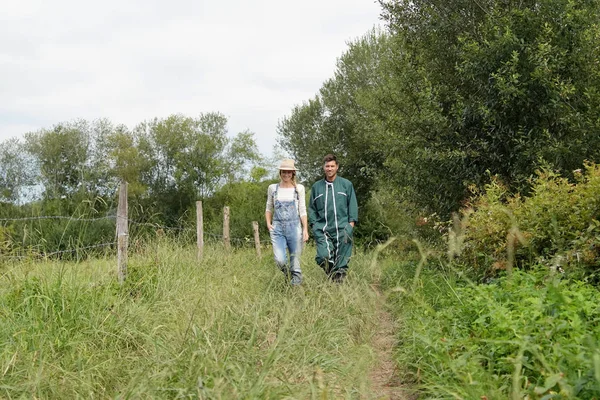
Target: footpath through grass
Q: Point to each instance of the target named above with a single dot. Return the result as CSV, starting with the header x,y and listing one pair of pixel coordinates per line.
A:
x,y
228,327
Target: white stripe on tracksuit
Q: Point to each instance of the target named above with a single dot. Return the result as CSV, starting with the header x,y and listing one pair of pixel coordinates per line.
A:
x,y
337,232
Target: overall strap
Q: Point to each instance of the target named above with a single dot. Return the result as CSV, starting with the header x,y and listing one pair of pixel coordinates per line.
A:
x,y
295,191
277,188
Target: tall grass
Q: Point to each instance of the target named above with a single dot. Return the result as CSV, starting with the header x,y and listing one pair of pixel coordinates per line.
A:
x,y
226,327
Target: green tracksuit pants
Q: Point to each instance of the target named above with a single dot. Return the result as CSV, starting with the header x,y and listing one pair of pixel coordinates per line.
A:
x,y
334,249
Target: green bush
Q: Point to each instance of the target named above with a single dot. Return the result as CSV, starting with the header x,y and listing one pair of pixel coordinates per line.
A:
x,y
556,224
246,202
388,214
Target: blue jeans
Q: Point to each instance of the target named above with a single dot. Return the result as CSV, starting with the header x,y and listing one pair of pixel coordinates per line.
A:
x,y
287,235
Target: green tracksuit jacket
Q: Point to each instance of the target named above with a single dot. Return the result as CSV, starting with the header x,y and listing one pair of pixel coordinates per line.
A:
x,y
331,208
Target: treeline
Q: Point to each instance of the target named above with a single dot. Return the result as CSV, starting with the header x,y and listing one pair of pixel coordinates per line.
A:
x,y
74,168
451,93
421,113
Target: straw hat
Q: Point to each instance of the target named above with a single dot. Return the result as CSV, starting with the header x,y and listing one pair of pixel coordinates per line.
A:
x,y
287,165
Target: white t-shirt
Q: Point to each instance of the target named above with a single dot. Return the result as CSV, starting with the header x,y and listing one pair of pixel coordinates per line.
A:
x,y
287,194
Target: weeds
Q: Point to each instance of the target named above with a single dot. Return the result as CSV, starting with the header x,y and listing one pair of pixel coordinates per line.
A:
x,y
531,335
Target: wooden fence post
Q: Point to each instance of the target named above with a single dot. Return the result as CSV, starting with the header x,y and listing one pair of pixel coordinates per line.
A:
x,y
226,237
256,238
122,233
199,230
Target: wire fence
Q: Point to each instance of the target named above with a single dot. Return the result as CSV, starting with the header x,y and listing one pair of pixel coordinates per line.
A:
x,y
58,217
8,252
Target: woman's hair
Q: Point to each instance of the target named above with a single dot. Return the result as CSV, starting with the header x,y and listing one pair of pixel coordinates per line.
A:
x,y
293,177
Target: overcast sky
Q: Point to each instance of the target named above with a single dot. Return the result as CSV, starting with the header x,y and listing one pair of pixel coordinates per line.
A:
x,y
131,61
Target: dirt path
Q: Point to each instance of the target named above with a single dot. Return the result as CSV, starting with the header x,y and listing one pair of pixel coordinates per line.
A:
x,y
384,377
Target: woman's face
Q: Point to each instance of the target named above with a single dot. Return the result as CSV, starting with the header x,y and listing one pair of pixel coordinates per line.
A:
x,y
286,176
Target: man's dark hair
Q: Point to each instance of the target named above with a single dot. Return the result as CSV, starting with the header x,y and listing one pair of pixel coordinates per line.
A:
x,y
330,157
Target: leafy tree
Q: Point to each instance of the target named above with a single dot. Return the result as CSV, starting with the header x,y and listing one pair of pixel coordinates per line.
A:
x,y
258,174
188,153
61,153
189,159
100,177
302,135
247,202
125,159
512,86
16,174
342,118
242,155
169,164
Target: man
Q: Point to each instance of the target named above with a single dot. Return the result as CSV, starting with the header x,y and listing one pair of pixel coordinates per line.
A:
x,y
332,214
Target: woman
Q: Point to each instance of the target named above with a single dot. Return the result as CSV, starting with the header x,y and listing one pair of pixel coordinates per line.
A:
x,y
286,221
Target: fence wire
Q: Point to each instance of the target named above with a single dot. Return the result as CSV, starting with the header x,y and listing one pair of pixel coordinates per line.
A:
x,y
54,253
94,246
159,226
248,240
45,217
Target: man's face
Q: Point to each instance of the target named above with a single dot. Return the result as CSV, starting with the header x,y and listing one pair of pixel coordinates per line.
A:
x,y
330,169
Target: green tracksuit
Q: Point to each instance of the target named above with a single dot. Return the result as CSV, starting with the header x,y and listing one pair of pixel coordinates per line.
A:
x,y
331,208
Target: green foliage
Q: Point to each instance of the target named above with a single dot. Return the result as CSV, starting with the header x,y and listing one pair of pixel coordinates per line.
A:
x,y
500,86
125,159
455,89
247,203
302,135
16,174
257,174
388,214
169,164
61,153
241,156
556,224
187,161
341,119
529,336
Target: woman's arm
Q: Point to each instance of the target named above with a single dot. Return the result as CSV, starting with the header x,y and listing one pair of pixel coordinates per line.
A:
x,y
304,228
302,211
269,208
268,219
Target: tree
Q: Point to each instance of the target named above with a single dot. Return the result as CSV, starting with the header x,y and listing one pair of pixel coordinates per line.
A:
x,y
242,154
16,173
189,159
512,85
342,118
303,136
61,154
124,158
202,166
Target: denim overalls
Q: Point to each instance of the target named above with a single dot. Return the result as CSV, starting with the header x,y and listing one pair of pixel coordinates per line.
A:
x,y
287,233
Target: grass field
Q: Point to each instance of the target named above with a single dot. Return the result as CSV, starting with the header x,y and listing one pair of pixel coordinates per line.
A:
x,y
227,327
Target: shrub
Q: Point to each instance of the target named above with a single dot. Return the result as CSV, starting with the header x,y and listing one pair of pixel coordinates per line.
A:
x,y
556,224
